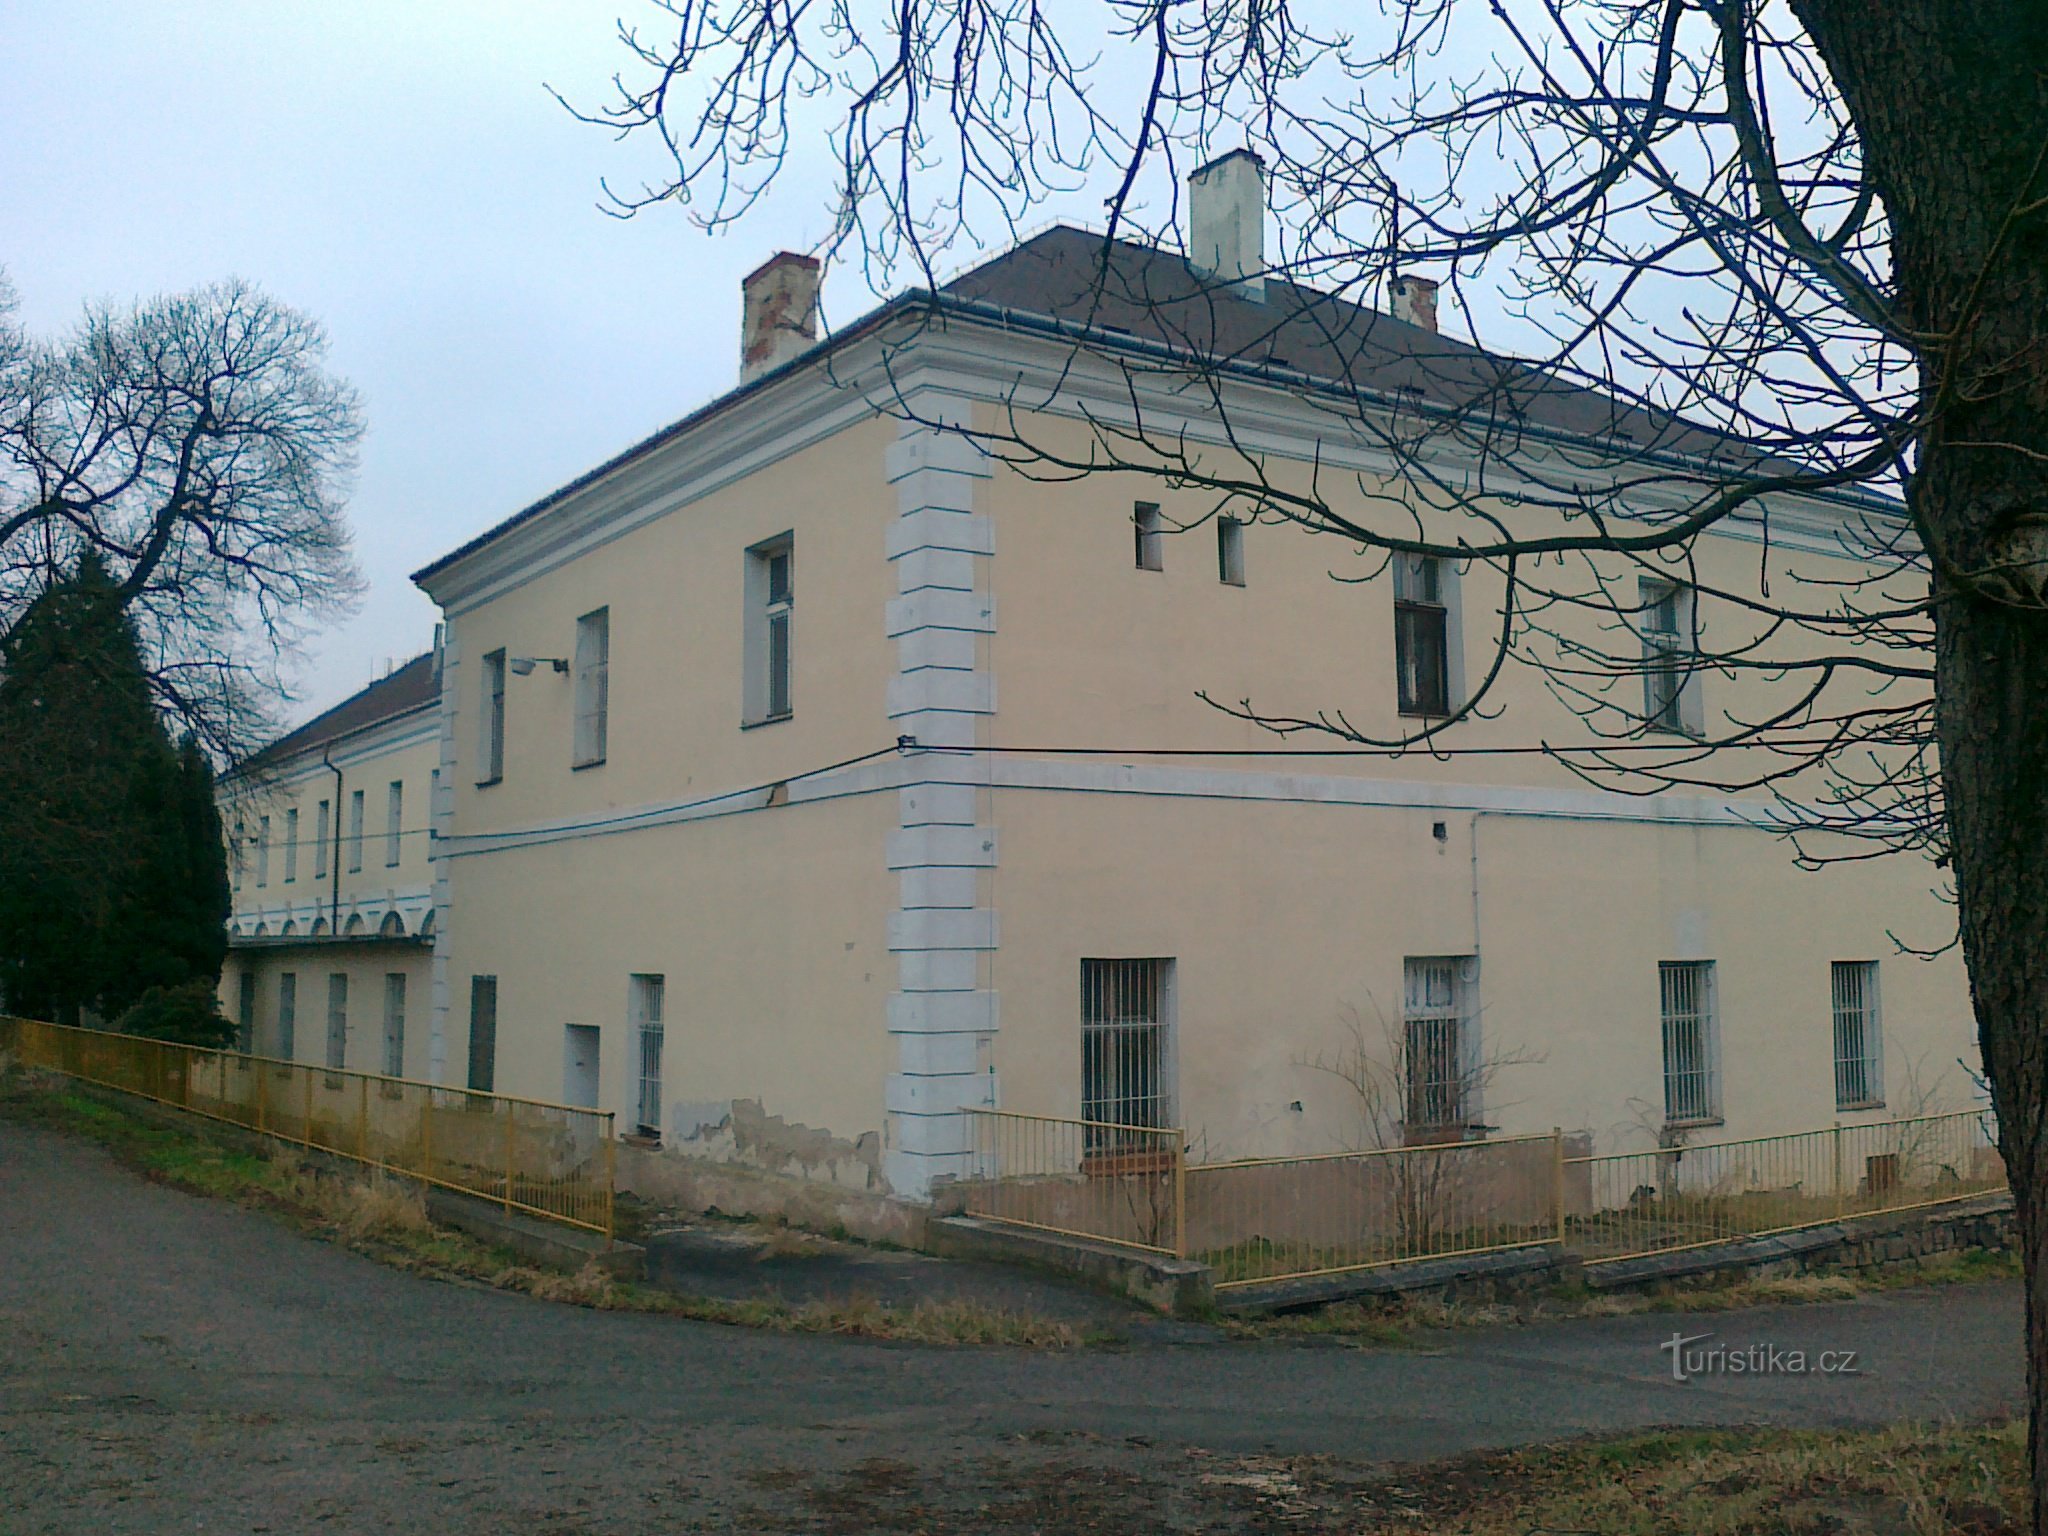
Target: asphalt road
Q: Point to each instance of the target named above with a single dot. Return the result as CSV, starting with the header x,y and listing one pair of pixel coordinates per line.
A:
x,y
169,1363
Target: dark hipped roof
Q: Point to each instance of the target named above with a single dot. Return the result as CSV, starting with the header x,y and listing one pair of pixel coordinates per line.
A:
x,y
410,687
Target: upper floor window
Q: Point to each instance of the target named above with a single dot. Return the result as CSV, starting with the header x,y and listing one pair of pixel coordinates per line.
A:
x,y
1230,551
490,746
262,851
771,622
593,686
323,829
394,821
355,831
291,846
1670,657
1150,531
1422,633
238,851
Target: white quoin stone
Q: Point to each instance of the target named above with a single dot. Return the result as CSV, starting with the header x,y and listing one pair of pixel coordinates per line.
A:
x,y
1227,221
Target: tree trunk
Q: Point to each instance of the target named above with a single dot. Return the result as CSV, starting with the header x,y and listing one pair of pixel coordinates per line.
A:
x,y
1950,101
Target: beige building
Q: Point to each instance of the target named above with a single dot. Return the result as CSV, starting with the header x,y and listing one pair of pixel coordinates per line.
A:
x,y
808,773
330,944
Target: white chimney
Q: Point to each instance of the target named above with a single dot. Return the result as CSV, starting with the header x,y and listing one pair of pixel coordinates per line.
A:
x,y
779,318
1415,301
1227,221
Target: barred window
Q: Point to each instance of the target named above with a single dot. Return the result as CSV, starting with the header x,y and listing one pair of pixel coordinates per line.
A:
x,y
1436,1045
1859,1038
1692,1088
647,1004
1126,1057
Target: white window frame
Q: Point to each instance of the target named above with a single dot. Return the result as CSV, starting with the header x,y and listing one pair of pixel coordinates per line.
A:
x,y
1426,590
291,845
768,661
646,1010
1857,1007
592,726
1230,551
1440,1034
262,852
1689,1028
239,851
323,825
490,747
355,830
394,823
1128,1060
1668,621
393,1064
1148,528
245,1020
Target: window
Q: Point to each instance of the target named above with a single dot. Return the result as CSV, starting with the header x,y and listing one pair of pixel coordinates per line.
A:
x,y
355,831
394,1024
394,821
238,852
262,851
483,1032
337,1020
291,846
647,1003
1150,531
323,829
245,1019
1670,650
287,1016
490,747
771,630
1437,1045
593,686
1422,634
1692,1068
1230,551
1859,1039
1126,1058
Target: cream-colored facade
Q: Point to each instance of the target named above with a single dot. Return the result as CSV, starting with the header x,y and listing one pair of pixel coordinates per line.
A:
x,y
808,937
330,942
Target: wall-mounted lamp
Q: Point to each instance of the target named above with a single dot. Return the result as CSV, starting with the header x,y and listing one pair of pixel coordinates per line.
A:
x,y
522,666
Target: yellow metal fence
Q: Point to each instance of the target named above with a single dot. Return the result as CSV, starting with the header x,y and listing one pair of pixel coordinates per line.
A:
x,y
549,1160
1259,1220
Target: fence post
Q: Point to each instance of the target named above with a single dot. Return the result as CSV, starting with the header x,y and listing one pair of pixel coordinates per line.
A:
x,y
1180,1193
1557,1181
511,1113
363,1121
1841,1193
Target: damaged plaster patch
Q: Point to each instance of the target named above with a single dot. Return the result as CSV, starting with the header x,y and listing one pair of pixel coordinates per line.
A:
x,y
742,1131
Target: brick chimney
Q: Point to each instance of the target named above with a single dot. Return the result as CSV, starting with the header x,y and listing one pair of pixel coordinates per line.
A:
x,y
1227,221
779,318
1415,301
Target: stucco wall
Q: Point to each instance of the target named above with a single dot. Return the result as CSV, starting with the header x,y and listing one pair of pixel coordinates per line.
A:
x,y
366,966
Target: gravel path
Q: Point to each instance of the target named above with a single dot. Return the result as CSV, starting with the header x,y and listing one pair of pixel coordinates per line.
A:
x,y
174,1363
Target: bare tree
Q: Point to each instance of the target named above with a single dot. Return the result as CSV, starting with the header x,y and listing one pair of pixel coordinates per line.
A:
x,y
198,445
1771,265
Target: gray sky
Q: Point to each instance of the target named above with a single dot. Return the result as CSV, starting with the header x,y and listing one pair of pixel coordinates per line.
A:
x,y
397,170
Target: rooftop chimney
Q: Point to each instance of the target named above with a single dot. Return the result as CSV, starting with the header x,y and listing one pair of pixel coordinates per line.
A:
x,y
1415,301
780,313
1227,221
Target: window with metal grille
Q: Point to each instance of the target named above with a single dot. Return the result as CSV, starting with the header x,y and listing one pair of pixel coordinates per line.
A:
x,y
1859,1037
245,1021
1126,1044
647,1002
394,1024
323,829
1669,651
1434,1044
287,1016
490,746
1422,635
291,846
394,822
1230,551
337,1020
483,1032
1692,1087
593,687
1149,529
771,630
355,831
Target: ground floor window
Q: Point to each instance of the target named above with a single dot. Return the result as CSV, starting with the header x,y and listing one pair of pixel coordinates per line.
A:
x,y
483,1032
337,1020
1126,1042
1436,1045
648,1001
394,1024
1692,1087
1859,1064
245,1018
287,1016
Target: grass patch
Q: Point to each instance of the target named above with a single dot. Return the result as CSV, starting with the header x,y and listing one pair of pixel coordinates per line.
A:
x,y
386,1218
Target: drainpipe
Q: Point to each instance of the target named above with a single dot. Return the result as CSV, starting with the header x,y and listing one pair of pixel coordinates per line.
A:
x,y
334,853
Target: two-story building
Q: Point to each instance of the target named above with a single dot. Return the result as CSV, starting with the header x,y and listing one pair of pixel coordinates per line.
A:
x,y
808,772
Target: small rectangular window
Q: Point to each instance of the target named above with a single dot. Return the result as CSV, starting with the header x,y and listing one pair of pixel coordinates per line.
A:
x,y
483,1032
1422,635
1126,1047
1230,551
1692,1068
1150,531
647,1003
394,822
355,831
291,846
337,1020
1670,657
770,641
394,1024
593,686
323,829
245,1020
288,1016
262,851
1436,1046
238,852
490,747
1859,1037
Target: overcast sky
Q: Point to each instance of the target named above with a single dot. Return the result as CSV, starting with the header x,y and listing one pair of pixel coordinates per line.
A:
x,y
397,170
